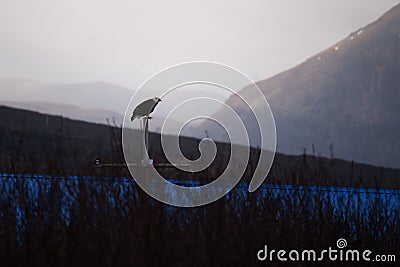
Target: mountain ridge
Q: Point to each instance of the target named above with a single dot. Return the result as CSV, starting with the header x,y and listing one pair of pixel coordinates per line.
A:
x,y
341,100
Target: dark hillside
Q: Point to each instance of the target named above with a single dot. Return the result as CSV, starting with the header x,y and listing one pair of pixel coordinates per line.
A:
x,y
32,142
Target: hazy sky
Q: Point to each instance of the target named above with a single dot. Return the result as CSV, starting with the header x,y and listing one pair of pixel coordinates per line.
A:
x,y
124,42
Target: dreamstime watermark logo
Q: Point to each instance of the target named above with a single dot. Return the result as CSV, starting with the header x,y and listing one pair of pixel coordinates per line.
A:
x,y
329,254
341,243
169,85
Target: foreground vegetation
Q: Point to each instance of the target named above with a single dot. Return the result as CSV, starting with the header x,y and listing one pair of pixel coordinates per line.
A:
x,y
71,221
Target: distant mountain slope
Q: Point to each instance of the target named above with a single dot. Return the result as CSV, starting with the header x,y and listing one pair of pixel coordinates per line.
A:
x,y
98,95
68,111
91,102
345,98
85,114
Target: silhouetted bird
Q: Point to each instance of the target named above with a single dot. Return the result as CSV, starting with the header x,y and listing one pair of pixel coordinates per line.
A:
x,y
145,108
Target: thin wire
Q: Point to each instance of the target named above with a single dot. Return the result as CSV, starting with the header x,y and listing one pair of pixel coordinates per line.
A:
x,y
64,177
198,183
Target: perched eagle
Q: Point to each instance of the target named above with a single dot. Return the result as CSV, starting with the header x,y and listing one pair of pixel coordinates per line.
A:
x,y
145,108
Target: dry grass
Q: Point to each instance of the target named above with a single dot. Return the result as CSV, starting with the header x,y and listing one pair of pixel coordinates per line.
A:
x,y
113,223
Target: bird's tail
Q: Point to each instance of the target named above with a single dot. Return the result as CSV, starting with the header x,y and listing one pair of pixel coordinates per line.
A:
x,y
134,117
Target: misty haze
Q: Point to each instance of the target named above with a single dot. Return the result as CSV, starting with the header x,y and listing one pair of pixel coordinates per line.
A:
x,y
72,73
